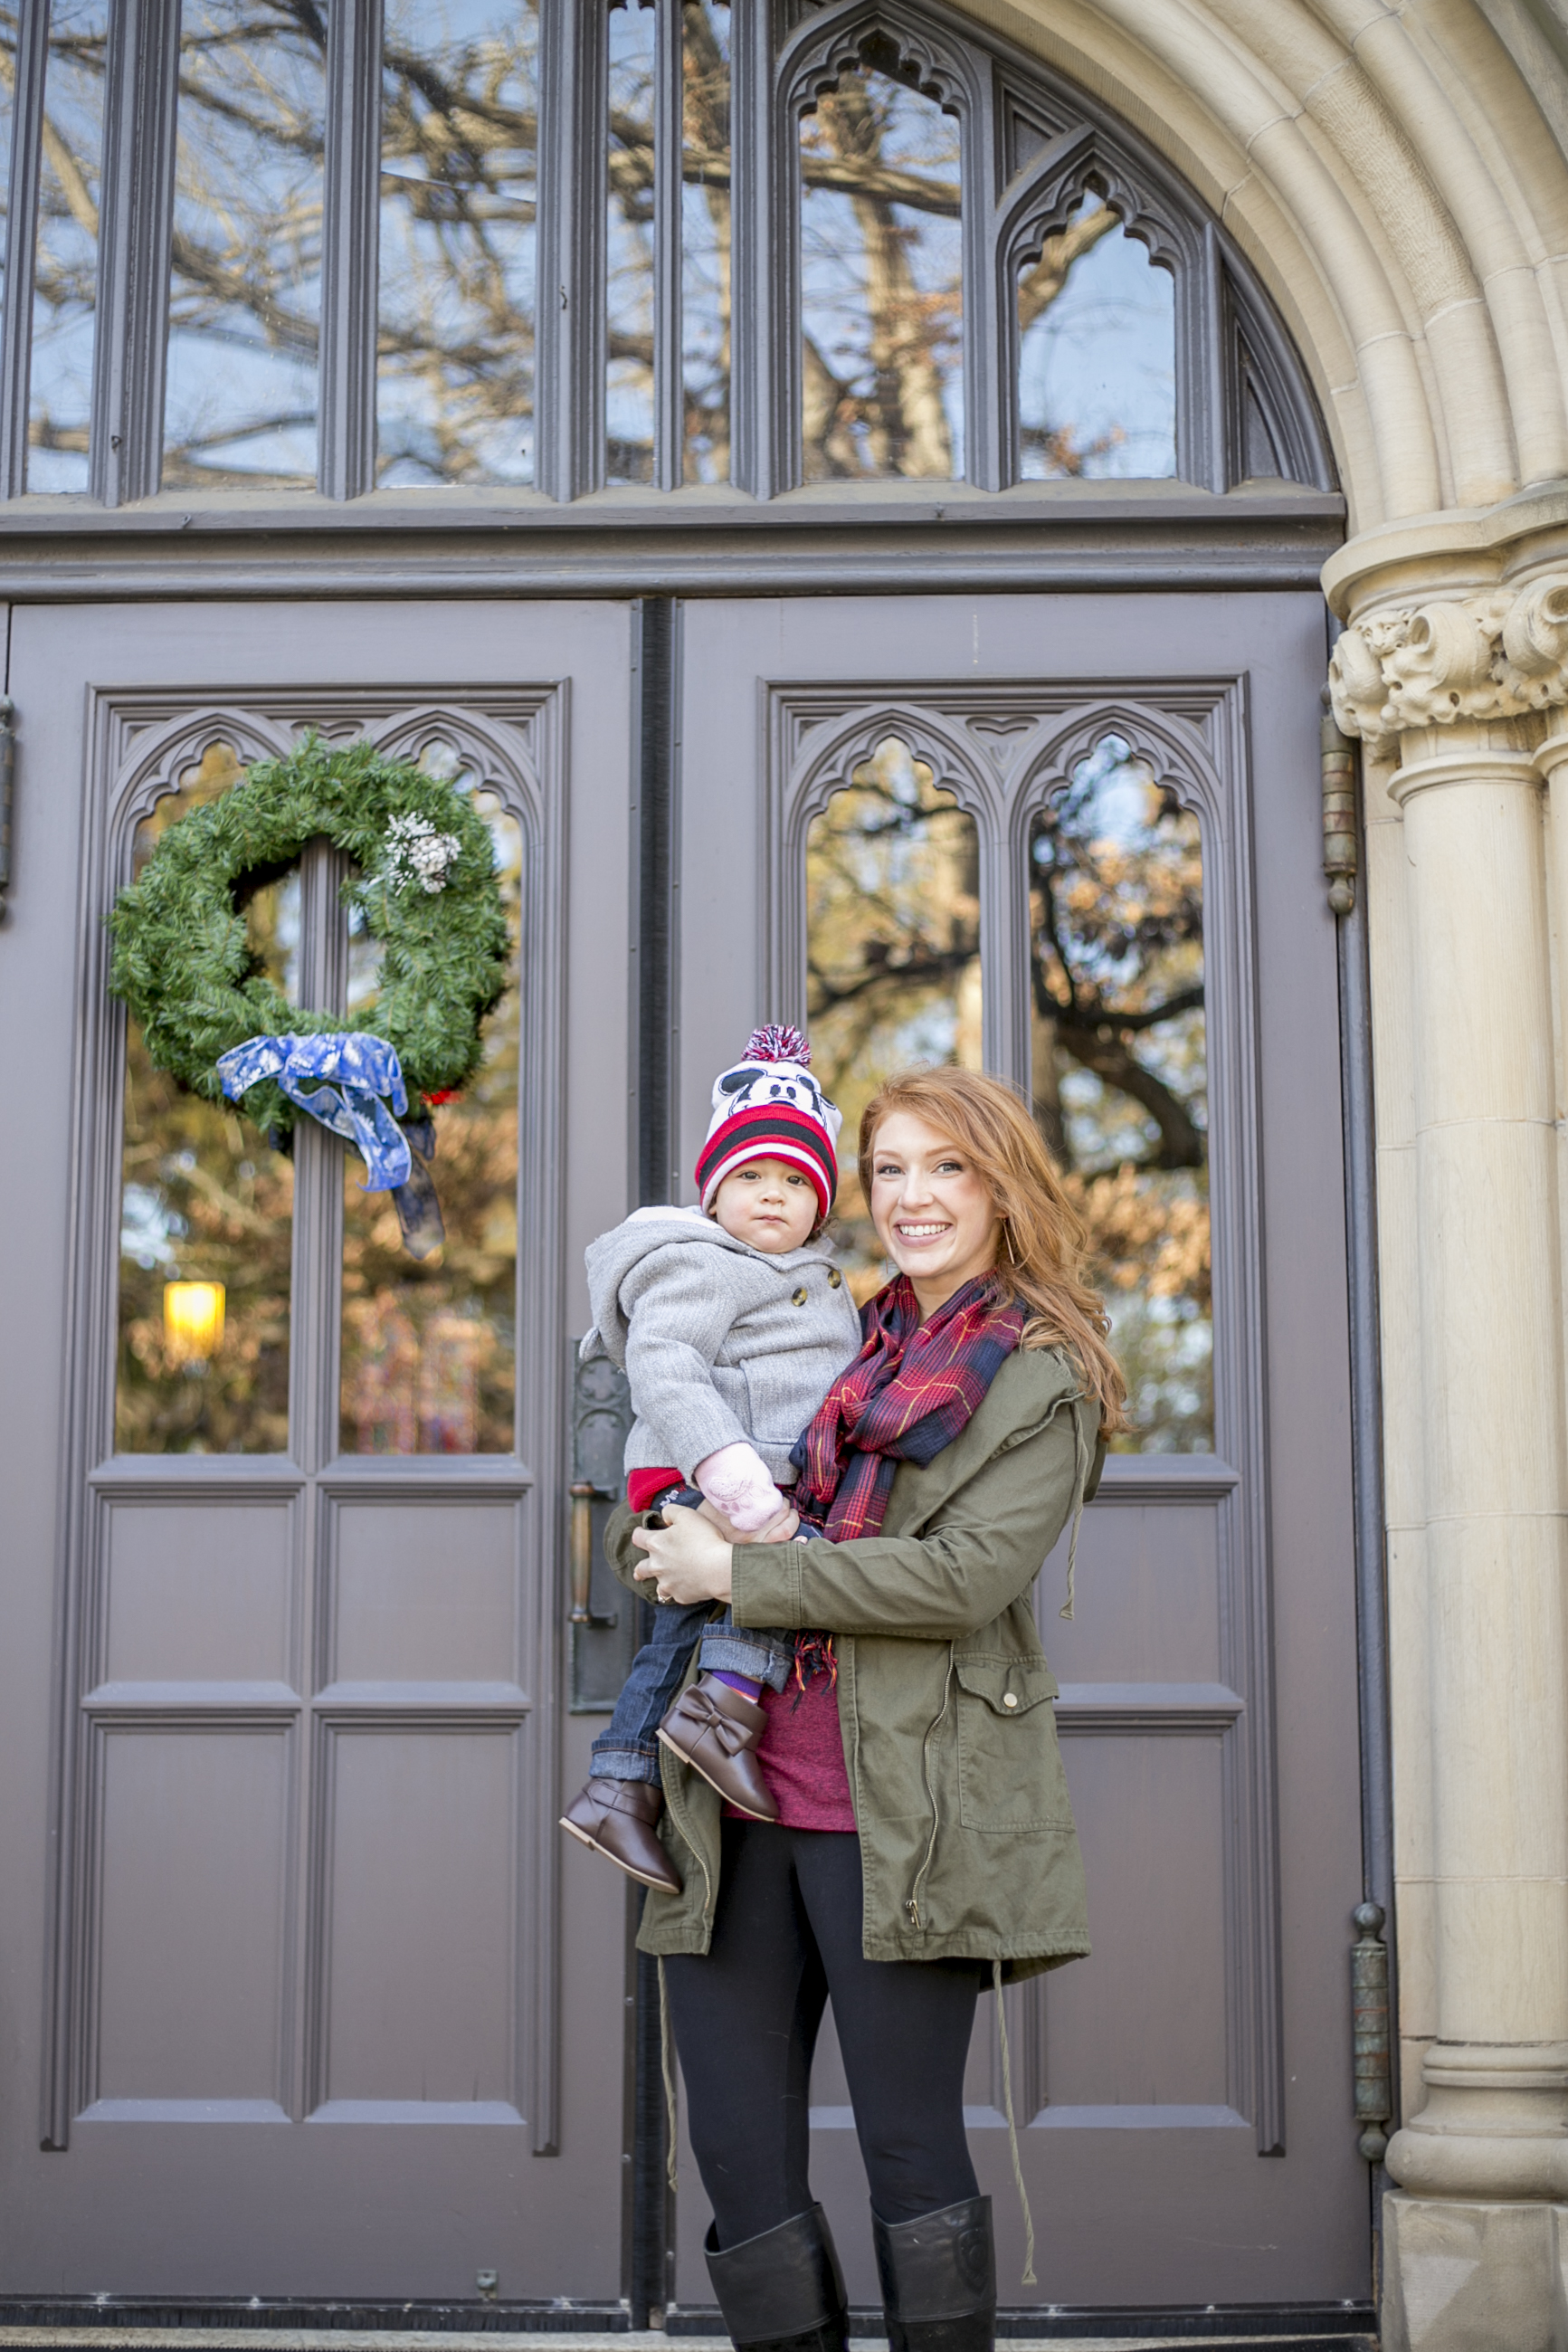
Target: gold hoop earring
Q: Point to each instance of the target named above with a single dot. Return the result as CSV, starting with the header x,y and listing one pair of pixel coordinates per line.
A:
x,y
1007,1239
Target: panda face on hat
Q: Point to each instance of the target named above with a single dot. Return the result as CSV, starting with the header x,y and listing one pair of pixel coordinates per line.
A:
x,y
770,1107
753,1085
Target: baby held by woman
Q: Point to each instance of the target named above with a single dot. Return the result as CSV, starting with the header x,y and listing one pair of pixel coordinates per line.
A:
x,y
732,1321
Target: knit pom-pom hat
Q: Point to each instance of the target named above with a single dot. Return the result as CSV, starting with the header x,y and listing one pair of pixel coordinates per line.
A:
x,y
769,1107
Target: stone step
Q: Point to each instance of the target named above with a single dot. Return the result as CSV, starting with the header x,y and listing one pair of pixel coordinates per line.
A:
x,y
568,2339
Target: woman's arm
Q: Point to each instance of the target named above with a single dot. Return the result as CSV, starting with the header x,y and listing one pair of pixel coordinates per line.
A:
x,y
983,1550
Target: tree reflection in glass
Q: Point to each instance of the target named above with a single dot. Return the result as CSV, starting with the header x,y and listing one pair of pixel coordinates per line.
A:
x,y
705,240
705,293
882,284
64,294
454,396
629,252
429,1363
892,952
1096,356
203,1198
1120,1071
245,300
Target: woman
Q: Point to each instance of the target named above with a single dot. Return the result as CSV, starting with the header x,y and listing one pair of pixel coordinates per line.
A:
x,y
925,1843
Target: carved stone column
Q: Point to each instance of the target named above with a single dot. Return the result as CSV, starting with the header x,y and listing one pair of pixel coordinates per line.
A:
x,y
1472,2243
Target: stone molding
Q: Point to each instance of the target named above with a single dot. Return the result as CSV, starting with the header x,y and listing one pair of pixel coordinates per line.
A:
x,y
1503,655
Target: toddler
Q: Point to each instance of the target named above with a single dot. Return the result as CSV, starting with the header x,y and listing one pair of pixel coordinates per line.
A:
x,y
731,1320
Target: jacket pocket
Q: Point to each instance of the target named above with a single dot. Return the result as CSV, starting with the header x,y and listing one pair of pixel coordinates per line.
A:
x,y
1009,1768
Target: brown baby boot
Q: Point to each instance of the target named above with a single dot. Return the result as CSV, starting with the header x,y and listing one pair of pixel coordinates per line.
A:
x,y
715,1729
617,1819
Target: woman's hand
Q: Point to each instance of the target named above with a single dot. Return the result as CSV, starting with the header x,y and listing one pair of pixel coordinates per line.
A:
x,y
777,1530
688,1560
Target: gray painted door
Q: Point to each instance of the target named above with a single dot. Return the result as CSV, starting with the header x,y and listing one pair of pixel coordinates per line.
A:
x,y
1077,837
313,2001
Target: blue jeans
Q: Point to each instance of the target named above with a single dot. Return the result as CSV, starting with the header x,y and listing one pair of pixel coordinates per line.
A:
x,y
629,1748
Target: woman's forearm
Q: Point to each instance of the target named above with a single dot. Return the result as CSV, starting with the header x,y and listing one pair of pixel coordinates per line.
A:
x,y
985,1549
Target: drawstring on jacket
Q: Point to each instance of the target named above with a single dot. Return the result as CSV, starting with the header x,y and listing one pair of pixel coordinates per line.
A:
x,y
667,2068
1085,1462
1029,2276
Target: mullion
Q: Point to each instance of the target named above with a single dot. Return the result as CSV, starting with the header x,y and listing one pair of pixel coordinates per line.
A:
x,y
761,371
125,442
351,271
21,244
669,142
315,1303
573,134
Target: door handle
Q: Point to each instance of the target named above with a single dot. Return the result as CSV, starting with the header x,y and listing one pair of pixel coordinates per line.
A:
x,y
584,1494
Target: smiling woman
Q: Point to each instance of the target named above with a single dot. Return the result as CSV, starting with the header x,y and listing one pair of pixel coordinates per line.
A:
x,y
933,1210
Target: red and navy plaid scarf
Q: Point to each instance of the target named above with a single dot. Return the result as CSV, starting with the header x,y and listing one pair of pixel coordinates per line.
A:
x,y
907,1395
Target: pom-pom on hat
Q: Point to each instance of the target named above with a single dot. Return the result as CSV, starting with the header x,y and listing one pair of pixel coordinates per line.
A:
x,y
769,1107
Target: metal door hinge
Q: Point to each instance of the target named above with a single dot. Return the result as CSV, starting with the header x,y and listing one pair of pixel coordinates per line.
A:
x,y
1338,785
7,783
1373,2057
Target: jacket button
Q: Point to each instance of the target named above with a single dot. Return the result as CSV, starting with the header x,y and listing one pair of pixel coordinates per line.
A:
x,y
1009,1698
799,1296
835,1279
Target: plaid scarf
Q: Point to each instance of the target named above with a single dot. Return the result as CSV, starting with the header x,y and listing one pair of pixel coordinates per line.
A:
x,y
907,1395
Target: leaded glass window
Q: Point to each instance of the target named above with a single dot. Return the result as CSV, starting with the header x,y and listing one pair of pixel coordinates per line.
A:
x,y
574,246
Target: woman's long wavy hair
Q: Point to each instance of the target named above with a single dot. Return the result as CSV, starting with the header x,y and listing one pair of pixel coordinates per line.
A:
x,y
1039,1247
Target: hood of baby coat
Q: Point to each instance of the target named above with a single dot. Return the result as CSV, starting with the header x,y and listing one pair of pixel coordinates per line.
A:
x,y
617,1253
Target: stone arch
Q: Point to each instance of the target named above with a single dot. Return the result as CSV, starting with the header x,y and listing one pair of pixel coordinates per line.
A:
x,y
1395,182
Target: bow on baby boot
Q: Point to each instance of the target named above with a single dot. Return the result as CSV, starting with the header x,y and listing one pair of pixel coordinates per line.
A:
x,y
715,1729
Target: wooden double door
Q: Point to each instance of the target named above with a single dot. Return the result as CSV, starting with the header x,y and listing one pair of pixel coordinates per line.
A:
x,y
302,1995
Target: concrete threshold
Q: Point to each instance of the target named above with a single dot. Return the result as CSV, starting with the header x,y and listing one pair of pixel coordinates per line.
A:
x,y
285,2339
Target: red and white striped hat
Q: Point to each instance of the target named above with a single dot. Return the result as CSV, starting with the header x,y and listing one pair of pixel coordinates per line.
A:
x,y
769,1107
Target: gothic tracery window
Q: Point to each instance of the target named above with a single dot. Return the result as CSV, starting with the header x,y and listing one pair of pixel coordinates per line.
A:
x,y
645,243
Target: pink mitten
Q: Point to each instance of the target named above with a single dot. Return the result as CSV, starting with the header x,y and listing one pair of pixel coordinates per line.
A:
x,y
736,1482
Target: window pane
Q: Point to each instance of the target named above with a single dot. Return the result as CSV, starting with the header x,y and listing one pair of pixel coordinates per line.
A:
x,y
429,1344
1097,355
892,952
629,256
245,291
1120,1077
454,399
207,1219
66,285
704,241
882,284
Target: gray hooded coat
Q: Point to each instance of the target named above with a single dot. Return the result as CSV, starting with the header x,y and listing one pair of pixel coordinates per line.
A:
x,y
720,1341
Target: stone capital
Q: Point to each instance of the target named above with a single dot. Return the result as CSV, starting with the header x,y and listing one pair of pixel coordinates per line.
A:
x,y
1500,654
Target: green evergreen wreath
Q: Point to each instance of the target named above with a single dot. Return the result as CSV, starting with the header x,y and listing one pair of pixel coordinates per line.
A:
x,y
427,886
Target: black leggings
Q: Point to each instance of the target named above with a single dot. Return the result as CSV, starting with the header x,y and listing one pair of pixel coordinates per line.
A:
x,y
786,1940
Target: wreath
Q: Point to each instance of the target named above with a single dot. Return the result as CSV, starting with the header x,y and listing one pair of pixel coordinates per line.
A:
x,y
424,884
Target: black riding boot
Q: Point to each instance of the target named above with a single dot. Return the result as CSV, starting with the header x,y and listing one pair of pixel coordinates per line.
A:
x,y
938,2279
784,2291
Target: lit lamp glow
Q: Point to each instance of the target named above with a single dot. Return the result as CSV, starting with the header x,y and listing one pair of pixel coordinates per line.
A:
x,y
192,1320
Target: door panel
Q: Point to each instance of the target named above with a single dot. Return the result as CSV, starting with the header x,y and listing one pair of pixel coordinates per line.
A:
x,y
316,2004
1184,2093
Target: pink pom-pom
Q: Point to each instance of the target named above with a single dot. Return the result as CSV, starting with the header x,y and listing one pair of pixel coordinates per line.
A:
x,y
779,1043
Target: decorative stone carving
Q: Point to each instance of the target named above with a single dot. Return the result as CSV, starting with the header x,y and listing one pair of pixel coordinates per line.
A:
x,y
1495,657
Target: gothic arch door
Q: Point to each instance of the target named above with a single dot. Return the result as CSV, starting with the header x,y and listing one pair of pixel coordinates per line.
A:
x,y
314,2010
1075,839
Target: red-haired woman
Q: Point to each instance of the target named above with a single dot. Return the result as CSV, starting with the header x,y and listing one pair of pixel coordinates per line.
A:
x,y
925,1846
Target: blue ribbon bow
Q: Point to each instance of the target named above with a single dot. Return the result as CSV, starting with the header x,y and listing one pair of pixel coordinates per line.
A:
x,y
353,1073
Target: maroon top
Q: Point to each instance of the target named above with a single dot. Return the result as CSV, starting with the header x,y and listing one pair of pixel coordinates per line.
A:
x,y
801,1753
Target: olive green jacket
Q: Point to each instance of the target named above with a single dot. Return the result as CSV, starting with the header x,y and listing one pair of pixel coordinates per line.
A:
x,y
967,1838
